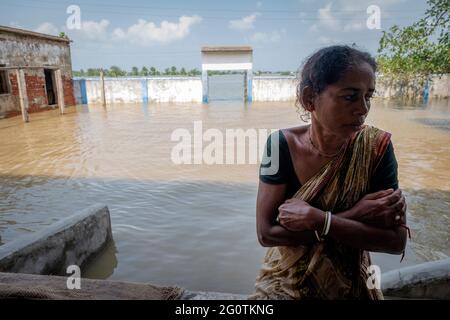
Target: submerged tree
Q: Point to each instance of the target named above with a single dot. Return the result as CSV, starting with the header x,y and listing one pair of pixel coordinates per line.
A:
x,y
409,56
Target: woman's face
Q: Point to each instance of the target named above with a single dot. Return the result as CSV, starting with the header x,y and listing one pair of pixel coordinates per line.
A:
x,y
342,107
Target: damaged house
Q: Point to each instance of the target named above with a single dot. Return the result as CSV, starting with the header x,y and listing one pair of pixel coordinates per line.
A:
x,y
35,72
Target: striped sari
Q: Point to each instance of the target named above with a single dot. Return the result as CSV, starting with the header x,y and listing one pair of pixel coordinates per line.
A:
x,y
328,269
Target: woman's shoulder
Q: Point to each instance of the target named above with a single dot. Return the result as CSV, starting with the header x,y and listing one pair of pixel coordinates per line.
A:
x,y
293,133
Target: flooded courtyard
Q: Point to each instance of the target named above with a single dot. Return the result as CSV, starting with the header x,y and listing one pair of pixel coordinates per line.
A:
x,y
193,225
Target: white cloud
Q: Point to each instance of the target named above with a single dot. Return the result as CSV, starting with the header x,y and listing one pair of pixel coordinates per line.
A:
x,y
47,28
327,20
93,29
246,23
263,37
146,33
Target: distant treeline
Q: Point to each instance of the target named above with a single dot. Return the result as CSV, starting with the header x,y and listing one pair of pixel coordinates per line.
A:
x,y
115,71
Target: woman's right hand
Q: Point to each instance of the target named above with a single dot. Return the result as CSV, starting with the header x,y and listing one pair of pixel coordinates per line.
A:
x,y
385,208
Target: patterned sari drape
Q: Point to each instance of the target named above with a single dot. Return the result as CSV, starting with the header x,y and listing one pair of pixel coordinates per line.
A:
x,y
328,269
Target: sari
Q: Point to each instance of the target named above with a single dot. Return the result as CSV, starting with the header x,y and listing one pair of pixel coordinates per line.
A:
x,y
328,269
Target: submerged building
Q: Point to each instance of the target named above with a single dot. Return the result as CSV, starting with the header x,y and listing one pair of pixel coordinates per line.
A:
x,y
35,72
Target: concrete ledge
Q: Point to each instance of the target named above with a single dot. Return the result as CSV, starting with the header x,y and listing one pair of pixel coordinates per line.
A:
x,y
202,295
73,240
30,286
429,280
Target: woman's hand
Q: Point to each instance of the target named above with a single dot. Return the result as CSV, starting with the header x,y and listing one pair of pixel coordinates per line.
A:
x,y
385,209
298,215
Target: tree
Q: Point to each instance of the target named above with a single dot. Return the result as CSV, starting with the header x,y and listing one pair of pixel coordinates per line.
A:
x,y
173,71
93,72
144,72
183,71
134,71
194,72
409,56
115,71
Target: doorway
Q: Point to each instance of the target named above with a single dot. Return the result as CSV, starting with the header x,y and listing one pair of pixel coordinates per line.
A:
x,y
226,85
50,86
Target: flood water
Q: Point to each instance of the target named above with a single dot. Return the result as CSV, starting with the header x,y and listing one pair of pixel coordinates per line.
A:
x,y
193,225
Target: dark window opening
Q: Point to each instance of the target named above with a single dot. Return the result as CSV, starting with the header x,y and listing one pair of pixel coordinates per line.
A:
x,y
50,86
4,82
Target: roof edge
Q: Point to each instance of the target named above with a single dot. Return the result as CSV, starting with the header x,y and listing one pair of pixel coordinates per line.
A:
x,y
32,34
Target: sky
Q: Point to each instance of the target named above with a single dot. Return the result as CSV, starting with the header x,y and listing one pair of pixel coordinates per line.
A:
x,y
171,33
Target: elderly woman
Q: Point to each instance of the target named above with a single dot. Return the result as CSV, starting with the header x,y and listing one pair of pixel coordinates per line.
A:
x,y
334,195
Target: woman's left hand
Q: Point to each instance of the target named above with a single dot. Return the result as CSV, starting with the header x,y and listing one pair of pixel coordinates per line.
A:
x,y
298,215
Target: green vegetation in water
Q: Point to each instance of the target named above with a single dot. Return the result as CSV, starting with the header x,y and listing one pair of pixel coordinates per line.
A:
x,y
408,56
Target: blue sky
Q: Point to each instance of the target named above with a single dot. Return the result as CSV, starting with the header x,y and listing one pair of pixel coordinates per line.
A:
x,y
165,33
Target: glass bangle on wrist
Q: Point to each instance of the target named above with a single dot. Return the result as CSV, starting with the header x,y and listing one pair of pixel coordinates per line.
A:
x,y
326,227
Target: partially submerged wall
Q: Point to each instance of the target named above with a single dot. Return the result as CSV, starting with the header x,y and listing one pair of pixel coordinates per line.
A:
x,y
72,241
189,89
139,90
438,87
274,88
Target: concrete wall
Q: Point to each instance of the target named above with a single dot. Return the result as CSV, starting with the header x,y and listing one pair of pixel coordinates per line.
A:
x,y
21,48
429,280
139,90
438,87
189,89
73,240
284,88
274,88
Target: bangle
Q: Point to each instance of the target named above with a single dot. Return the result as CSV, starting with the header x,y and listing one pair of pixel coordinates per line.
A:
x,y
326,227
317,236
324,224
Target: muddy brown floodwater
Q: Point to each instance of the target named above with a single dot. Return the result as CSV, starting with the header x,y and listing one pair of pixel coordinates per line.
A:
x,y
193,225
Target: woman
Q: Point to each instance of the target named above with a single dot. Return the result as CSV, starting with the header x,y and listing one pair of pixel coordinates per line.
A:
x,y
335,194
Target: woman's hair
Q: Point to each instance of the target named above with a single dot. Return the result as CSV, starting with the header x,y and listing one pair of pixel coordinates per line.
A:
x,y
325,67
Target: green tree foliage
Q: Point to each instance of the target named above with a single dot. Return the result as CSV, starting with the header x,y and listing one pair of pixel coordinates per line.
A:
x,y
134,71
90,72
409,55
115,71
144,72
